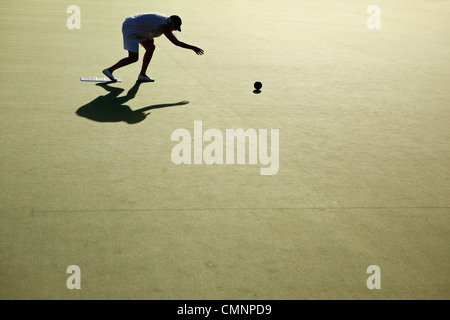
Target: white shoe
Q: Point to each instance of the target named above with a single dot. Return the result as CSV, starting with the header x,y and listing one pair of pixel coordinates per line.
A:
x,y
145,79
109,75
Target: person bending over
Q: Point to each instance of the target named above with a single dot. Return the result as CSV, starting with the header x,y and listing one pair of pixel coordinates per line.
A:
x,y
142,29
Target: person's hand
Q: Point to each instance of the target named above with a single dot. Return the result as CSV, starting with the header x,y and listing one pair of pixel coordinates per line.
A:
x,y
198,51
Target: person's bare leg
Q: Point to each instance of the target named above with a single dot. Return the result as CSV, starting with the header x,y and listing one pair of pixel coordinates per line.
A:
x,y
149,47
132,57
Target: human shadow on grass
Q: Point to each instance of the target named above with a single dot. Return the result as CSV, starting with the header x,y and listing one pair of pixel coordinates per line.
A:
x,y
111,108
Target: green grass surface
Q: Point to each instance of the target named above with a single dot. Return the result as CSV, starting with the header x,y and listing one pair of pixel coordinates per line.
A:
x,y
364,152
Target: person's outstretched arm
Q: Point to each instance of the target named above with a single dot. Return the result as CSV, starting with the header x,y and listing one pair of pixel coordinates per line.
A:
x,y
178,43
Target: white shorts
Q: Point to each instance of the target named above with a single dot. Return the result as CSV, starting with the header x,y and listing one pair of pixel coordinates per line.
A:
x,y
131,40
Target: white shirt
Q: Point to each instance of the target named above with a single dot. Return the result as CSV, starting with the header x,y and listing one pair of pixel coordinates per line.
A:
x,y
144,25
